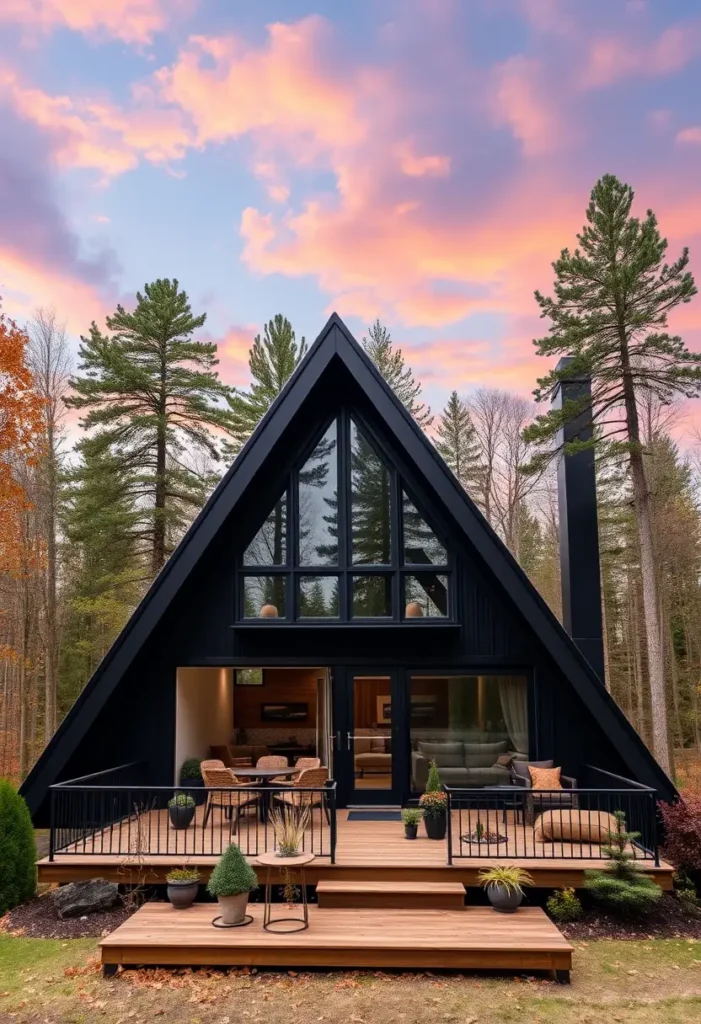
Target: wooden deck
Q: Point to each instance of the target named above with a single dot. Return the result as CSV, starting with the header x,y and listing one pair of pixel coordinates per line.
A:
x,y
473,938
365,850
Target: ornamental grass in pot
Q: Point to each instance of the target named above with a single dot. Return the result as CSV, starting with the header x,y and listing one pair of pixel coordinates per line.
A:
x,y
183,884
411,816
231,881
434,805
289,824
504,884
181,810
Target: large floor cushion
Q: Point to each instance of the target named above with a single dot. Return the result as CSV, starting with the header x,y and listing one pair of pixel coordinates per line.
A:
x,y
571,824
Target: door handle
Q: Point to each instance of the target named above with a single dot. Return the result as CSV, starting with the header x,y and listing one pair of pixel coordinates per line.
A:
x,y
338,739
349,740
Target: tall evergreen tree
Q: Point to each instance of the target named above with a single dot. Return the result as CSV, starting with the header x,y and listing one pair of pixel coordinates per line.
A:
x,y
151,393
391,364
612,300
272,361
458,445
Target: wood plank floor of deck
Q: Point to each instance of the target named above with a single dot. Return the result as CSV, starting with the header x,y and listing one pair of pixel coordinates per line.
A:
x,y
473,938
365,850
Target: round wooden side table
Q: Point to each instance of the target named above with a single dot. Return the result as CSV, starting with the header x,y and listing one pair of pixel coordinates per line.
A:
x,y
287,865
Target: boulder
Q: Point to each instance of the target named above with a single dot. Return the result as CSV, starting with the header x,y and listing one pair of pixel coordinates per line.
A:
x,y
78,898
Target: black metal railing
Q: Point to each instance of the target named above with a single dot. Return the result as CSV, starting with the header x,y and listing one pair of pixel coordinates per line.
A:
x,y
133,822
542,824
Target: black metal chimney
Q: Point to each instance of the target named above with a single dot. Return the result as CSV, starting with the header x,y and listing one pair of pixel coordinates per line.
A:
x,y
579,534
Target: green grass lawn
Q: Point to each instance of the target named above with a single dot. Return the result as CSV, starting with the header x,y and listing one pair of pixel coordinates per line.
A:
x,y
53,980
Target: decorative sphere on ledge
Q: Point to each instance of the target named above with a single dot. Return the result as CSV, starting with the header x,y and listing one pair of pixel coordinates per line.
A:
x,y
268,611
414,610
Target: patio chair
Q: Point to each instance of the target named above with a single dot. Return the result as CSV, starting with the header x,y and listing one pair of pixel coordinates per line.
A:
x,y
273,761
309,778
301,764
233,797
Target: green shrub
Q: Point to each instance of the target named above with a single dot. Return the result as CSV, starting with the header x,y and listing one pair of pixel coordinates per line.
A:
x,y
412,815
433,782
688,900
181,800
18,876
190,770
564,905
232,874
621,886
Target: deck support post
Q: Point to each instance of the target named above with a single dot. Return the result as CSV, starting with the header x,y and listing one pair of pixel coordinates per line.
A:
x,y
109,970
562,977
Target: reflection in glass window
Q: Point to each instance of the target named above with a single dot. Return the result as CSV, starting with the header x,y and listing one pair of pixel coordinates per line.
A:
x,y
318,597
264,597
372,596
370,503
426,595
269,546
473,727
318,504
420,542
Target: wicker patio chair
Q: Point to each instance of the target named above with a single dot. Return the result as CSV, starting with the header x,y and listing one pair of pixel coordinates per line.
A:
x,y
309,778
301,764
274,761
233,797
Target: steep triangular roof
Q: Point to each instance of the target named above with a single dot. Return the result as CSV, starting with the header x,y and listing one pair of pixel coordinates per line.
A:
x,y
335,343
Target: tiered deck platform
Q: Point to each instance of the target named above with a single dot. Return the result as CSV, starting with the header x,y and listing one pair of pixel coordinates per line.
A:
x,y
472,938
366,851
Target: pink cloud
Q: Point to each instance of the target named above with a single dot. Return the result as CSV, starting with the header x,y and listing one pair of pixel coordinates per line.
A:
x,y
95,134
610,58
692,134
527,104
435,166
232,351
132,21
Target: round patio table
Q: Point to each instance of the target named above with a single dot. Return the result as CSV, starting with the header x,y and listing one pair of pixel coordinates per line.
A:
x,y
286,865
264,775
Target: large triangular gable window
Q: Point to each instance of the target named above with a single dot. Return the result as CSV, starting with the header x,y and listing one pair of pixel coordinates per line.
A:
x,y
345,542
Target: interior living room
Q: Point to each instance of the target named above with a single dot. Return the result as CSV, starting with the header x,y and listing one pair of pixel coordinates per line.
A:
x,y
249,713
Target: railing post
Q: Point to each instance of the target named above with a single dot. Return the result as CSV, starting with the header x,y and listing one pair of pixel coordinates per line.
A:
x,y
52,800
332,790
653,822
449,824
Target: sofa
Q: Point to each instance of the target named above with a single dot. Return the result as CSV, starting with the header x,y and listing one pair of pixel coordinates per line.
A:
x,y
372,752
462,763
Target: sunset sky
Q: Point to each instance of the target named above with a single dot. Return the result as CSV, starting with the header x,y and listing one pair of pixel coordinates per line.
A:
x,y
423,161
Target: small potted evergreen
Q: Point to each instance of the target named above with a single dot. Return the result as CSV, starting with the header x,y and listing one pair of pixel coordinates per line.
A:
x,y
411,816
183,884
434,804
504,884
622,886
231,881
191,777
181,810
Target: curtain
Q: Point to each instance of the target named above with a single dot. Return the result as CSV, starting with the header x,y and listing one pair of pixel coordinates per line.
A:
x,y
513,694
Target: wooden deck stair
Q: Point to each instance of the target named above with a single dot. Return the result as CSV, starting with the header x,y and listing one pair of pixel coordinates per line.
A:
x,y
397,895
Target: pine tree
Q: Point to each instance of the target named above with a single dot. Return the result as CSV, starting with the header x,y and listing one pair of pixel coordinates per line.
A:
x,y
612,300
458,445
621,885
151,393
390,362
272,362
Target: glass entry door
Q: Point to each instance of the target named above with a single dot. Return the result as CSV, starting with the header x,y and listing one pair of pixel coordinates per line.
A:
x,y
369,740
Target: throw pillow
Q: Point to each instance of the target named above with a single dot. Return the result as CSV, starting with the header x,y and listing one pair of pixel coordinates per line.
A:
x,y
505,760
545,778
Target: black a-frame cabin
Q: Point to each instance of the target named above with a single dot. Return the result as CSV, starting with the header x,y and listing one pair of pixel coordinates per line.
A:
x,y
341,596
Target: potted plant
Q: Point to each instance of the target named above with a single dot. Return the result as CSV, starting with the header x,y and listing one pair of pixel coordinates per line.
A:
x,y
411,816
231,881
181,810
182,887
289,824
504,884
483,836
433,805
191,777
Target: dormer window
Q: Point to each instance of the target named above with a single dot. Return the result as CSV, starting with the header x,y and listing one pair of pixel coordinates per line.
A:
x,y
345,542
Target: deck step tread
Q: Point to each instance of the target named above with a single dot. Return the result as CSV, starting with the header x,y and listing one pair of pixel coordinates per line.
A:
x,y
399,886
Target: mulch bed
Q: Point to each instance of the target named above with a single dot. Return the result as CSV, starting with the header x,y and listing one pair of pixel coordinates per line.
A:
x,y
669,921
37,920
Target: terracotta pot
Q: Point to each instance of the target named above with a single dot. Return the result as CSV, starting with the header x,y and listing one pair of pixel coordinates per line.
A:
x,y
182,894
435,825
504,901
268,611
414,610
233,908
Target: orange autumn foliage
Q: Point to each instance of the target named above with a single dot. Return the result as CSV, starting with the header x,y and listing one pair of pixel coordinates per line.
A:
x,y
20,437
